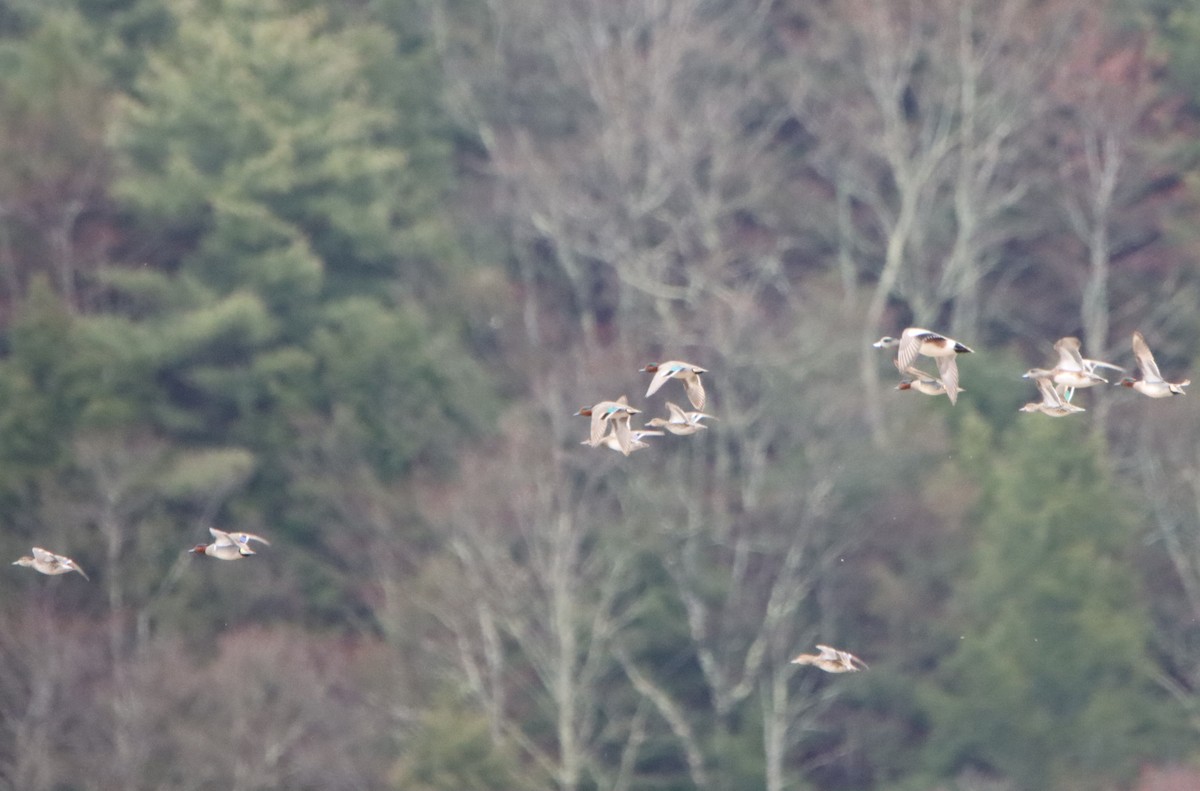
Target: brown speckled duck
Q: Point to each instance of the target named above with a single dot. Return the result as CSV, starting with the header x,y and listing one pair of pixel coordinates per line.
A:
x,y
831,660
49,563
680,422
1052,404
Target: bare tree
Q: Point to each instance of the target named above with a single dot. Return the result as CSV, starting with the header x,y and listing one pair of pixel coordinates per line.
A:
x,y
930,139
743,519
46,662
1002,58
276,709
1106,115
640,202
120,482
535,592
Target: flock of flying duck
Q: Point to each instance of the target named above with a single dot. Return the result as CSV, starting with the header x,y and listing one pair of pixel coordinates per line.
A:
x,y
225,546
610,419
1056,385
611,427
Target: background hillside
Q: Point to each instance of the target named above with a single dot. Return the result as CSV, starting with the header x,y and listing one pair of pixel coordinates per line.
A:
x,y
340,273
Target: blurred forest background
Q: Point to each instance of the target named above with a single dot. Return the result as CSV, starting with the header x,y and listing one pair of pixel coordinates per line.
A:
x,y
339,273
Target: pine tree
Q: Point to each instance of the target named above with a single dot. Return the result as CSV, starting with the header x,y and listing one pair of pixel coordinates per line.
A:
x,y
1049,685
269,174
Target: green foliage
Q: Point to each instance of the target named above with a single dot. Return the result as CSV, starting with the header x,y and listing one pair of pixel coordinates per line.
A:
x,y
50,86
1052,634
254,251
260,151
43,383
255,131
201,472
411,391
1180,24
453,751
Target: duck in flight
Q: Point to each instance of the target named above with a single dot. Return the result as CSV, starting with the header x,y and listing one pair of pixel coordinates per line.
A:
x,y
228,546
49,563
680,422
916,341
1151,384
831,660
1053,403
677,369
614,414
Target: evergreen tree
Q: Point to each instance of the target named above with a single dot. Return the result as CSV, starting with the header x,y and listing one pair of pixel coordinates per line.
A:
x,y
1049,684
257,154
270,174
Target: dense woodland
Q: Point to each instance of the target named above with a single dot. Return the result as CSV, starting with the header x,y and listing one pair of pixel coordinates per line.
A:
x,y
339,273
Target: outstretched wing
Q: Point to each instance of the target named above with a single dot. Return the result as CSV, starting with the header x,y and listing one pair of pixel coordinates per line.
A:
x,y
244,538
73,566
623,433
222,539
909,348
1069,356
854,662
695,389
1092,365
677,413
44,555
948,368
660,377
1050,394
1145,359
828,652
598,426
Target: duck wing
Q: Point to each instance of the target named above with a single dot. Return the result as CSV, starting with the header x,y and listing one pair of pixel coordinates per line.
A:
x,y
1069,356
677,413
599,423
853,662
828,652
221,538
45,555
909,348
1050,394
244,538
948,368
660,377
1091,365
624,435
1145,359
695,389
73,566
